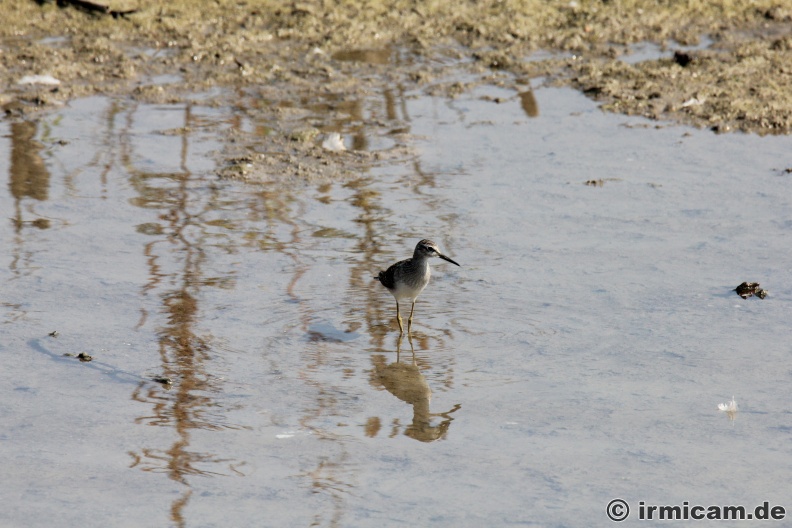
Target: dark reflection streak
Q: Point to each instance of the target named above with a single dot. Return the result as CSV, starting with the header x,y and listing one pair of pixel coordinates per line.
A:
x,y
155,274
184,354
178,507
424,178
108,148
177,337
362,275
359,138
29,175
390,104
528,103
106,151
28,179
155,278
403,104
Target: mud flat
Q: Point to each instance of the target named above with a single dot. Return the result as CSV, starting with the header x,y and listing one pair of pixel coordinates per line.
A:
x,y
740,78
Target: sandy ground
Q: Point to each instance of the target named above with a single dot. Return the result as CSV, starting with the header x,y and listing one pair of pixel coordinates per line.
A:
x,y
741,81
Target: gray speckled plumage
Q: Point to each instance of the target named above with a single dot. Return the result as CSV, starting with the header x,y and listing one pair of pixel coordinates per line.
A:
x,y
407,278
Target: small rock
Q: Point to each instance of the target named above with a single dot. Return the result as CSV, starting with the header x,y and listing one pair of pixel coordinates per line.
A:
x,y
334,142
682,58
749,289
48,80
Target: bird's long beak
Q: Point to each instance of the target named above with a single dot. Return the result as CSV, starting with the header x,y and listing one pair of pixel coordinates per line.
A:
x,y
448,259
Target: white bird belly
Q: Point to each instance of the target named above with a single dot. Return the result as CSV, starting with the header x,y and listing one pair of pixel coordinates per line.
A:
x,y
409,285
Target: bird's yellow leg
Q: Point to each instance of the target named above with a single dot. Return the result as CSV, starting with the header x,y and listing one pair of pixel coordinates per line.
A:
x,y
398,317
409,321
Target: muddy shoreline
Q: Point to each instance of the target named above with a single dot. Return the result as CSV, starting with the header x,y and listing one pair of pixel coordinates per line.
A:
x,y
741,81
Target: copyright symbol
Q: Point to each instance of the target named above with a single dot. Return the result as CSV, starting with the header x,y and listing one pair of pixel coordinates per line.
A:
x,y
618,510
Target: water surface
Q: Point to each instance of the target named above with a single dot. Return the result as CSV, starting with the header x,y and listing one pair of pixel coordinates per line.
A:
x,y
577,355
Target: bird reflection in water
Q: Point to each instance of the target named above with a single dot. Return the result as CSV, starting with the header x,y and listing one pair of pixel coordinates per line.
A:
x,y
405,381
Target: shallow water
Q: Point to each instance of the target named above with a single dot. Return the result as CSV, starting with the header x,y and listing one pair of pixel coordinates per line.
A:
x,y
578,355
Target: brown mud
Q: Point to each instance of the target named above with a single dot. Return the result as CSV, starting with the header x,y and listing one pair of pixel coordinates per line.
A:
x,y
297,55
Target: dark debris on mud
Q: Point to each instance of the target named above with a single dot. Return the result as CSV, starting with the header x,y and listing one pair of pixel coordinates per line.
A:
x,y
749,289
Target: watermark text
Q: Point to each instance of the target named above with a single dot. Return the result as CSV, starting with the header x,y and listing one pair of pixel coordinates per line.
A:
x,y
619,510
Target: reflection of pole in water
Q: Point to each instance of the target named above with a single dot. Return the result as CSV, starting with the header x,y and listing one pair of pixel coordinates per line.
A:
x,y
178,246
528,103
28,175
